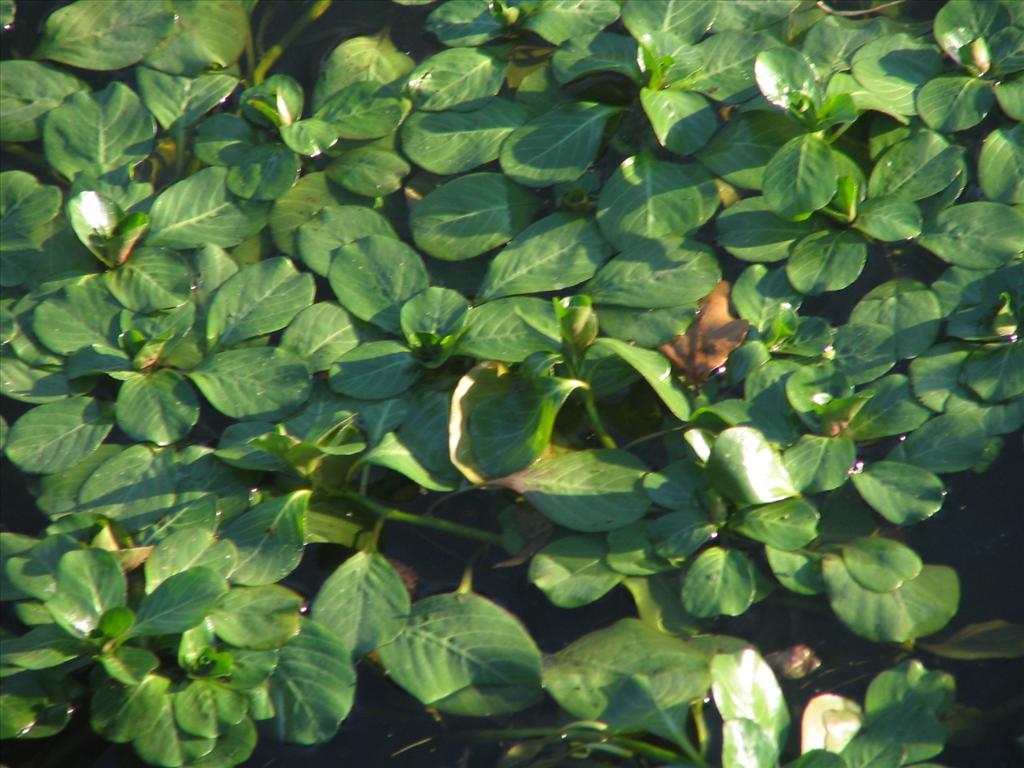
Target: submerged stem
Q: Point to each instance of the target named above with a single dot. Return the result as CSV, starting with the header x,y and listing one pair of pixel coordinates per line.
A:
x,y
398,516
314,12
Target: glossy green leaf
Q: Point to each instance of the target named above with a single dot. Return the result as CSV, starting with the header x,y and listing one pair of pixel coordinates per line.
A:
x,y
979,235
94,34
258,299
826,261
200,210
951,442
788,80
657,371
469,215
134,487
889,219
918,167
801,177
361,111
333,227
269,538
320,334
310,137
995,639
917,608
374,371
262,173
687,19
722,66
464,655
152,279
647,199
253,383
954,103
893,68
818,464
98,132
745,466
682,121
89,582
593,490
562,20
206,708
313,686
464,24
719,582
29,90
996,373
182,100
160,407
787,524
864,351
58,435
364,602
259,618
602,54
880,564
960,24
745,688
121,713
207,37
461,78
181,602
751,231
572,572
369,171
370,58
901,493
453,142
188,548
510,329
1001,165
555,147
742,148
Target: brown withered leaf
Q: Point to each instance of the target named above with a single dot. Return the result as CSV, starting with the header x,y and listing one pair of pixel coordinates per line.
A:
x,y
709,340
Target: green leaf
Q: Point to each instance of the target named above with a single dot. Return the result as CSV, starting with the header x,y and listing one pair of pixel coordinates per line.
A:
x,y
98,132
682,121
128,664
452,142
253,383
95,34
29,91
592,490
200,211
951,442
746,743
223,139
89,583
556,147
135,487
741,150
594,678
788,80
909,308
311,195
655,274
207,709
956,25
600,54
376,370
978,235
182,101
797,571
262,172
160,407
510,330
313,686
259,299
461,78
880,564
562,20
320,334
572,572
722,66
181,602
362,111
464,655
152,279
310,137
364,602
121,713
646,199
826,261
260,618
864,351
187,548
996,373
464,24
207,37
1001,165
56,436
801,177
720,582
372,58
893,68
889,219
788,524
686,19
917,608
746,467
434,312
996,639
915,168
657,372
269,538
751,231
555,252
163,743
954,103
335,226
745,688
469,215
500,422
33,572
369,171
892,410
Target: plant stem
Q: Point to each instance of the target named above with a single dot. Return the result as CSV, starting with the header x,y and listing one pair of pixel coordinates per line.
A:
x,y
314,12
828,9
595,420
398,516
